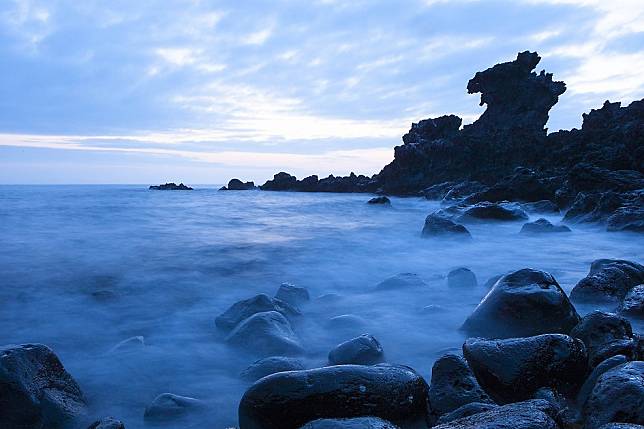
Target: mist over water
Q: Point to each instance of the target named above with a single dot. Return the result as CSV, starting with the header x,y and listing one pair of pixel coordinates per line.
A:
x,y
83,268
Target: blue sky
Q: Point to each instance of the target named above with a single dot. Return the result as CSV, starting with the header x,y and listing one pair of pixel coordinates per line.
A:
x,y
200,91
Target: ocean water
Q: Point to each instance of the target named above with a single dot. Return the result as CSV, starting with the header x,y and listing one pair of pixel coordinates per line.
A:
x,y
83,268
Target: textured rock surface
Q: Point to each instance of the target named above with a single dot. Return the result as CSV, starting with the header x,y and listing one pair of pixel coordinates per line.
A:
x,y
171,187
289,400
362,350
466,411
608,280
541,226
633,304
107,423
293,295
35,390
267,333
605,335
589,384
355,423
514,369
238,185
526,302
380,201
486,211
270,365
437,225
244,309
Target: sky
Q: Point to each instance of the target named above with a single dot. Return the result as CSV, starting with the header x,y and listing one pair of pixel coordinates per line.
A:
x,y
201,91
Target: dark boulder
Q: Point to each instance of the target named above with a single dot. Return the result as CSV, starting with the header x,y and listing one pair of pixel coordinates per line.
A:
x,y
461,278
630,216
168,406
402,281
542,226
362,350
524,185
523,303
621,426
380,201
466,411
608,280
281,182
242,310
605,335
107,423
487,211
533,414
35,390
514,369
292,294
438,191
267,333
270,365
463,190
238,185
453,385
354,423
618,397
589,384
437,225
171,187
429,130
288,400
633,304
543,206
593,207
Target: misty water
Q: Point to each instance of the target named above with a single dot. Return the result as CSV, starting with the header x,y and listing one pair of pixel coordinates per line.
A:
x,y
83,268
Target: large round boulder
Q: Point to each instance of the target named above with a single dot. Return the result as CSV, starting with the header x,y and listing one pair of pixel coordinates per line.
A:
x,y
293,295
514,369
270,365
618,397
605,335
487,211
608,280
288,400
35,390
534,414
354,423
242,310
523,303
461,278
437,225
362,350
267,333
453,385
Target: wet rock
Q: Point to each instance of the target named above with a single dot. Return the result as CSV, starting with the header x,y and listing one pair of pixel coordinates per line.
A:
x,y
543,206
523,303
618,396
542,226
362,350
463,190
605,335
292,294
514,369
355,423
523,185
633,304
402,281
608,280
270,365
433,309
630,216
492,281
171,187
281,182
567,413
621,426
589,384
288,400
267,333
533,414
244,309
593,207
437,225
35,390
437,191
380,201
461,278
238,185
453,385
486,211
466,411
107,423
168,406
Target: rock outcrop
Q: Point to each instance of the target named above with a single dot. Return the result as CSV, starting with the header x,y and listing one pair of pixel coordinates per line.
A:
x,y
238,185
171,187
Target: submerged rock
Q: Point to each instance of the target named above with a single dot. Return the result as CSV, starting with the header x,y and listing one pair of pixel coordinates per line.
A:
x,y
533,414
244,309
171,187
487,211
453,385
461,278
362,350
289,400
238,185
523,303
605,335
541,226
437,225
267,333
35,390
402,281
380,201
608,280
633,304
292,294
107,423
271,365
354,423
514,369
130,344
618,396
168,406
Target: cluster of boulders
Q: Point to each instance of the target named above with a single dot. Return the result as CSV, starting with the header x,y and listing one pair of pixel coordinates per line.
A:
x,y
238,185
595,174
531,362
171,187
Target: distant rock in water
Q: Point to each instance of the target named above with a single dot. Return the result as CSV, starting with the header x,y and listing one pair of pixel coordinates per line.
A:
x,y
380,201
437,225
285,182
487,211
542,226
171,187
243,309
267,333
461,278
271,365
402,281
238,185
362,350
